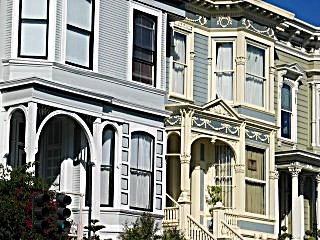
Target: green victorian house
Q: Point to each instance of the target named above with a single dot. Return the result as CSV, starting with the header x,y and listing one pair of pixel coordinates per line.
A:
x,y
242,89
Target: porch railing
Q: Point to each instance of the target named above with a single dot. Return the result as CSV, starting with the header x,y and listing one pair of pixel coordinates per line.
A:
x,y
228,231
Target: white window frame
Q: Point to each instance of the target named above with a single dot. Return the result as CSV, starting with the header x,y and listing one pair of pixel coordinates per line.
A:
x,y
187,31
158,15
214,56
296,79
265,78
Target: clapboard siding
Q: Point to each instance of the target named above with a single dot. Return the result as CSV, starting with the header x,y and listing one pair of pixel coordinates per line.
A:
x,y
113,38
200,72
163,50
7,17
58,39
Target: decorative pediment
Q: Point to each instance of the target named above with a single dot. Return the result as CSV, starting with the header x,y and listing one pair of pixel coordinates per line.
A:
x,y
221,108
292,71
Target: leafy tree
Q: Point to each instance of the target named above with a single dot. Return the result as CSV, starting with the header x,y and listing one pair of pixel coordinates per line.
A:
x,y
94,227
17,188
215,195
145,228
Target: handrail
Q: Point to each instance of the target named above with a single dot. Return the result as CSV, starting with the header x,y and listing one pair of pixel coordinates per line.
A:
x,y
232,230
200,226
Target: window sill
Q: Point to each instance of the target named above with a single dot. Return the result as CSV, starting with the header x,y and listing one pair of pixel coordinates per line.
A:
x,y
287,141
179,98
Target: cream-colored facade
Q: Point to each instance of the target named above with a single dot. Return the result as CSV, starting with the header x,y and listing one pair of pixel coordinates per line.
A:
x,y
229,65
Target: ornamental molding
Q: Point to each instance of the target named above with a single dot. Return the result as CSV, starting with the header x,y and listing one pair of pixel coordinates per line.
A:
x,y
173,121
318,178
220,110
200,20
224,21
215,125
240,60
248,24
181,25
273,175
240,168
185,159
257,136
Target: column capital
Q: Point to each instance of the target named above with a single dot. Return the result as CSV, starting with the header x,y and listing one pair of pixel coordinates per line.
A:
x,y
185,159
294,170
240,168
240,60
274,175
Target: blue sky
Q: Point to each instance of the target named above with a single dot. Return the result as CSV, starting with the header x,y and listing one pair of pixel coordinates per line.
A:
x,y
305,10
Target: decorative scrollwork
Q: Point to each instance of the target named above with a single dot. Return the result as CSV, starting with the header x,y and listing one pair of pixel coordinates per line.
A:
x,y
224,21
201,20
257,136
173,120
248,24
220,111
215,125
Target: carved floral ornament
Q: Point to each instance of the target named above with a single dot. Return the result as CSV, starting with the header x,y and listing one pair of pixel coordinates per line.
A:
x,y
219,110
173,120
220,126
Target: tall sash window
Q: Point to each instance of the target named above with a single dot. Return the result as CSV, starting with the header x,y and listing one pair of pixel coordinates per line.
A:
x,y
79,42
286,111
141,169
224,70
255,76
33,28
255,181
179,63
144,48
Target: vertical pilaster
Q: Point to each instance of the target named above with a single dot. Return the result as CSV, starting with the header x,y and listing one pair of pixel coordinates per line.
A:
x,y
276,203
97,138
296,225
31,145
240,68
195,190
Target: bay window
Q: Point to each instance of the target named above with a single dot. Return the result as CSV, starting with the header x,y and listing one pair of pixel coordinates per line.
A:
x,y
255,76
179,68
79,33
286,111
33,28
106,186
224,70
144,48
255,180
141,171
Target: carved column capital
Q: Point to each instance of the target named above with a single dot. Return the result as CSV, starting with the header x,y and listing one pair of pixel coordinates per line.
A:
x,y
318,178
185,159
294,170
274,175
240,60
240,168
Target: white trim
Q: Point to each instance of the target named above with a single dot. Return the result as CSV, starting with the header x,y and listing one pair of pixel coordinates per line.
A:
x,y
51,41
15,28
158,15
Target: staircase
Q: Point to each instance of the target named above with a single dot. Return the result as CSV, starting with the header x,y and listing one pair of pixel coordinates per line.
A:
x,y
175,217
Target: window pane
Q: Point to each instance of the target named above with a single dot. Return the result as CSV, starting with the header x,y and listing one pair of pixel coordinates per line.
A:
x,y
144,32
286,97
140,182
285,124
141,152
77,49
179,53
255,163
105,186
254,90
33,39
142,72
178,78
34,9
255,198
255,61
79,13
224,57
143,54
107,146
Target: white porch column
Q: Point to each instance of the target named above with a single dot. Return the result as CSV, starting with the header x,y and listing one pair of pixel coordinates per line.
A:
x,y
276,203
318,201
2,134
296,225
31,146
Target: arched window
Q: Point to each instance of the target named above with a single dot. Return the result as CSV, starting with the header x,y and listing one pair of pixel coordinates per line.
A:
x,y
141,171
286,111
107,165
17,155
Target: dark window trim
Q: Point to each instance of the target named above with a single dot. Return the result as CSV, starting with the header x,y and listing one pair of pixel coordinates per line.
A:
x,y
42,21
154,53
91,39
111,166
151,194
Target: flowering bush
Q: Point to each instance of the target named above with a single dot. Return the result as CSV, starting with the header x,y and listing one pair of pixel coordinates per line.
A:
x,y
17,188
